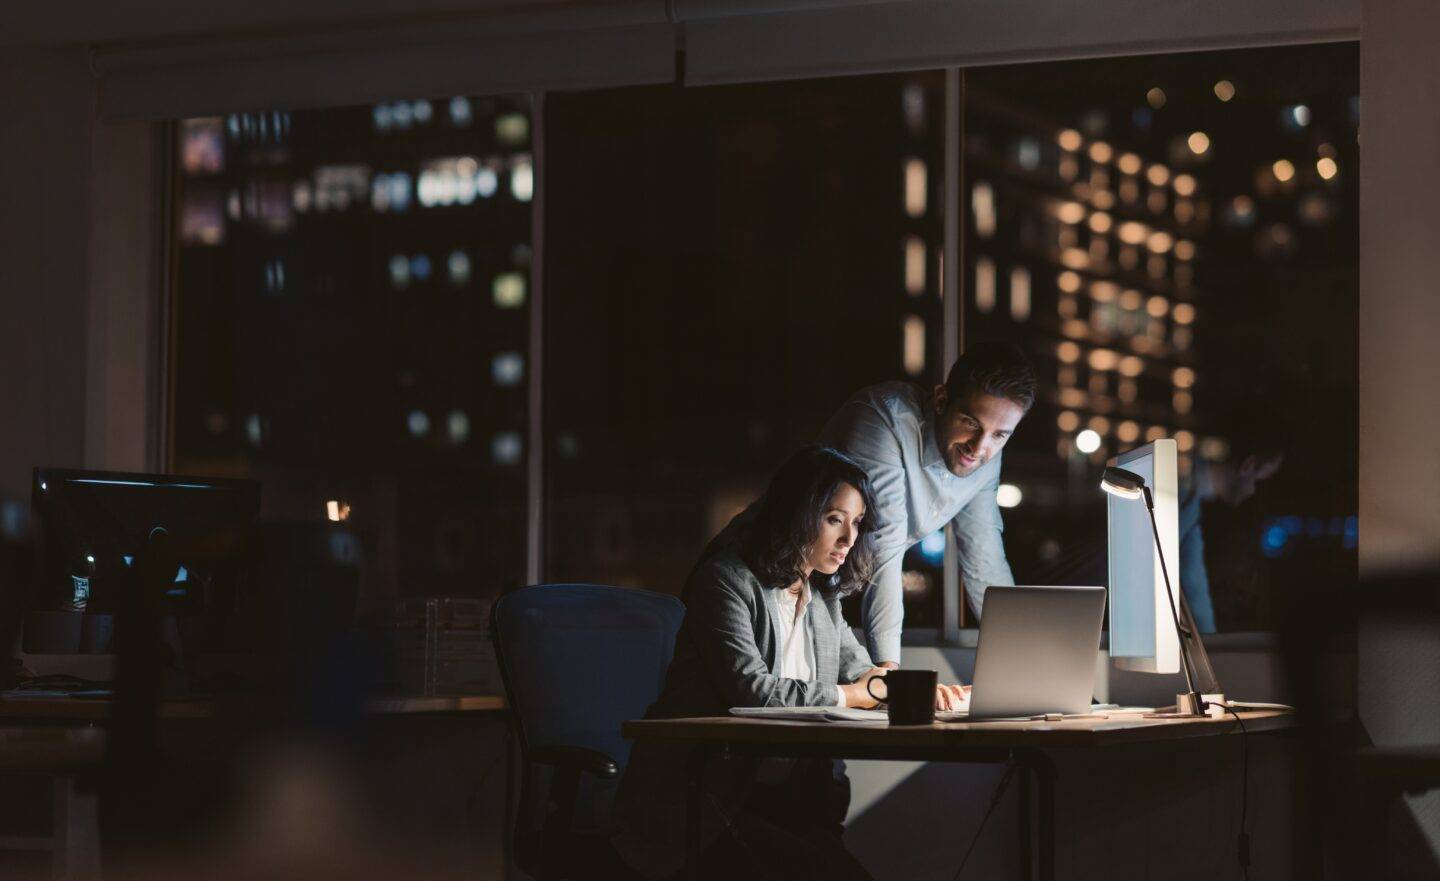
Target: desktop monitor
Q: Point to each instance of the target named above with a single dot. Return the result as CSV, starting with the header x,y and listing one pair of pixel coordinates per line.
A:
x,y
1142,629
94,525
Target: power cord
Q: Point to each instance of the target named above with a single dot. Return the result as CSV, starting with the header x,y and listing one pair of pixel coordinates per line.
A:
x,y
995,797
1242,843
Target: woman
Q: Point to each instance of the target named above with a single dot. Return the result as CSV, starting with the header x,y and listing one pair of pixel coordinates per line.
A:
x,y
762,628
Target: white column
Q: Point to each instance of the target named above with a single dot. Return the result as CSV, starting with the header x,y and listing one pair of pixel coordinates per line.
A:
x,y
1399,654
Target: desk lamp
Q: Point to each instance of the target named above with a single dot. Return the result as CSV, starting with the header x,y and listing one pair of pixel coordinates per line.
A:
x,y
1129,485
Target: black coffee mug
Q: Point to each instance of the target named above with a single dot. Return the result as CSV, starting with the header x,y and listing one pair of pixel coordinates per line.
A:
x,y
909,695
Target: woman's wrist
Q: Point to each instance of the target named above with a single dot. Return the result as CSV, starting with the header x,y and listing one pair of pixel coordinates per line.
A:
x,y
856,695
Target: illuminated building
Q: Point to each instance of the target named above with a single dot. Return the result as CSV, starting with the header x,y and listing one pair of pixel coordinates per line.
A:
x,y
351,299
1082,249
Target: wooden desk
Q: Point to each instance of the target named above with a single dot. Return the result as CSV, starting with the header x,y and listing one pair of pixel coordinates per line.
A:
x,y
1024,743
53,709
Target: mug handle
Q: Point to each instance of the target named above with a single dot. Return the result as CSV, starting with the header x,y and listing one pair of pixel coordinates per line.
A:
x,y
877,697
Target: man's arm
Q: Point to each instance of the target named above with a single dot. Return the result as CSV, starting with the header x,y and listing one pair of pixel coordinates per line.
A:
x,y
882,609
863,433
854,660
980,545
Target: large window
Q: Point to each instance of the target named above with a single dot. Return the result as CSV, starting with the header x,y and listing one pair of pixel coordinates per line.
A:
x,y
351,318
728,266
1172,239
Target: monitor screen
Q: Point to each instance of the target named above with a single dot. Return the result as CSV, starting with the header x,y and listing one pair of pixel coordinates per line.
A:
x,y
94,525
1142,629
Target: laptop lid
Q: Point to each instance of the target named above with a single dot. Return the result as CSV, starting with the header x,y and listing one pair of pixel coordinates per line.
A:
x,y
1037,651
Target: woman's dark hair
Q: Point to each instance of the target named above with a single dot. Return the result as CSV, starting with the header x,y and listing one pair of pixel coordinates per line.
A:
x,y
789,519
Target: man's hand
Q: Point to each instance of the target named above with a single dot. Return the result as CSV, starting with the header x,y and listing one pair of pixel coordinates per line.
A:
x,y
951,697
857,693
890,665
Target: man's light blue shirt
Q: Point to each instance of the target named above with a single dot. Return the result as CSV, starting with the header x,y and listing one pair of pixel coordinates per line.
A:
x,y
888,431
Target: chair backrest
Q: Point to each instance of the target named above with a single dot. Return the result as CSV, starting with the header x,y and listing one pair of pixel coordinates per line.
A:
x,y
577,660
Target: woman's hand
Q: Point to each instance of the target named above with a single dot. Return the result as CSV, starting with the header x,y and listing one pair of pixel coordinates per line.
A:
x,y
951,697
857,694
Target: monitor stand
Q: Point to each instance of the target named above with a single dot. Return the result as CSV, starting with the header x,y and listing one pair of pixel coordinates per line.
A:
x,y
1207,685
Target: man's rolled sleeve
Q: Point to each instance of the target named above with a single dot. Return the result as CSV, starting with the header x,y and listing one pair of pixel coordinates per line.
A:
x,y
883,610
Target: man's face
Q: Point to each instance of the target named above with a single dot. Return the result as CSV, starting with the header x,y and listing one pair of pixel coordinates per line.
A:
x,y
970,431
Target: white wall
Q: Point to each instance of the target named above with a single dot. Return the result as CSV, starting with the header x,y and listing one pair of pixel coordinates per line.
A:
x,y
79,274
1399,653
46,123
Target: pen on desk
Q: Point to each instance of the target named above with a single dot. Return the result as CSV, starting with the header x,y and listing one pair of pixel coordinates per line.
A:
x,y
1064,717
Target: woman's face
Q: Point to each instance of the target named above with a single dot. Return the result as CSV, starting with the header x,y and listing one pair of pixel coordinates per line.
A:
x,y
839,528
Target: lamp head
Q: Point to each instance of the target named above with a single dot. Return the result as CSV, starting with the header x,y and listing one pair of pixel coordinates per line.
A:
x,y
1122,483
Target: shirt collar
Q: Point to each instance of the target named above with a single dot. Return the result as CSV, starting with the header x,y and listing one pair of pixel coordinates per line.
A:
x,y
785,598
930,455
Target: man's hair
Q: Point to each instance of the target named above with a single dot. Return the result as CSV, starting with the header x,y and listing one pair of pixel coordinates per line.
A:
x,y
998,369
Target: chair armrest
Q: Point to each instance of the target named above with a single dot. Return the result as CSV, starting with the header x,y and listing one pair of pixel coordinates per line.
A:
x,y
577,758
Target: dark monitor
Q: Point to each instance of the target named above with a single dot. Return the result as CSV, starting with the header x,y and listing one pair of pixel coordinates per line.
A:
x,y
93,526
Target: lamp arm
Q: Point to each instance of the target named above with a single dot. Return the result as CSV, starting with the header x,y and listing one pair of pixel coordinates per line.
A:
x,y
1180,632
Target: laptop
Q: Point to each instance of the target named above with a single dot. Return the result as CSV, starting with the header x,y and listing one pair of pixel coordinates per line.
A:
x,y
1037,652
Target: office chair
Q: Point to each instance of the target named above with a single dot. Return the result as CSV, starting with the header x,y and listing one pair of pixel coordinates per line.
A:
x,y
577,660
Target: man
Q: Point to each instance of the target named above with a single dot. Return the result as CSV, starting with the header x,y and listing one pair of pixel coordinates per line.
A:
x,y
932,459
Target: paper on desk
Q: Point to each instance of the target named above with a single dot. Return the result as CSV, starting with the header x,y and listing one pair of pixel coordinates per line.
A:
x,y
832,714
813,714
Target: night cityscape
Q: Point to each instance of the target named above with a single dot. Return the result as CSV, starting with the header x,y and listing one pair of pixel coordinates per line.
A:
x,y
1111,226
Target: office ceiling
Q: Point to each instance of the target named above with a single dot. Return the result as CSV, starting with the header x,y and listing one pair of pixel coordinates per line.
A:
x,y
43,23
38,23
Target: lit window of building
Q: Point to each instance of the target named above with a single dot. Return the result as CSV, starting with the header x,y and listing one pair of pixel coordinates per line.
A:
x,y
916,187
457,266
985,284
202,145
506,448
508,290
1020,293
914,265
461,112
982,201
512,130
522,179
913,343
457,427
507,369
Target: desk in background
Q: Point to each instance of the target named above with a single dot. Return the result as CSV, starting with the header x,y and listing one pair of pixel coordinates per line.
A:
x,y
1025,743
59,709
63,738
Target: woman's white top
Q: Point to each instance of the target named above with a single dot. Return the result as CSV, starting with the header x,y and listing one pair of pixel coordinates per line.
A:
x,y
797,650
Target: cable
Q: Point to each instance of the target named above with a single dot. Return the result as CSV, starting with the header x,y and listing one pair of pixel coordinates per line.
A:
x,y
1242,843
1010,769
